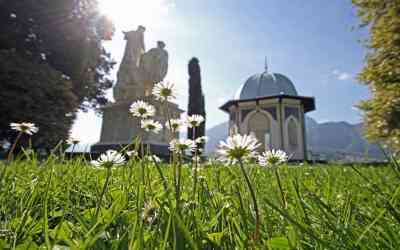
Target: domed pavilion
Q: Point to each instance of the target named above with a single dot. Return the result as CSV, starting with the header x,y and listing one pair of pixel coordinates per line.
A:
x,y
268,106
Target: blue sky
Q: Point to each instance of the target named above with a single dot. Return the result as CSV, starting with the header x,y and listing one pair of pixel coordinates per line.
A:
x,y
312,42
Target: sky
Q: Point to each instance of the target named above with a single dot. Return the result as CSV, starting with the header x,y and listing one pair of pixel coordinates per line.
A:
x,y
315,43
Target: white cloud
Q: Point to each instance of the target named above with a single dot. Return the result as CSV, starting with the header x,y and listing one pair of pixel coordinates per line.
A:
x,y
341,75
344,76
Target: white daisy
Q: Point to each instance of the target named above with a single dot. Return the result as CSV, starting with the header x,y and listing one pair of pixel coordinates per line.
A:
x,y
156,158
150,125
25,127
149,214
227,161
164,91
142,109
212,161
72,141
28,151
272,158
238,147
174,124
109,158
196,159
153,158
180,145
132,153
65,77
202,140
32,36
194,121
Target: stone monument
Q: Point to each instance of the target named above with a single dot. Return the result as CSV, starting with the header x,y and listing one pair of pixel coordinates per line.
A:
x,y
139,71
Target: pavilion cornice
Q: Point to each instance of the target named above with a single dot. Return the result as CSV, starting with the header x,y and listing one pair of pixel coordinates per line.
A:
x,y
308,102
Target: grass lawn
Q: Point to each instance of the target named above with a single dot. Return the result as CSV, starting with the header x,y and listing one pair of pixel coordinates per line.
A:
x,y
59,203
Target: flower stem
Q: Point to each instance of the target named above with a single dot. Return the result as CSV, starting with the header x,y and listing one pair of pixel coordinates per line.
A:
x,y
103,191
72,151
195,178
142,154
195,167
278,178
10,153
175,169
163,179
194,135
253,197
179,173
171,133
179,176
45,210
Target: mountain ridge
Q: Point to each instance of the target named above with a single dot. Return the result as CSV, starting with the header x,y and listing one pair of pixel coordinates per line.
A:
x,y
332,140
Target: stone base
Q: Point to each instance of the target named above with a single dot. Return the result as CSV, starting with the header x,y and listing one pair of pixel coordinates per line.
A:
x,y
120,128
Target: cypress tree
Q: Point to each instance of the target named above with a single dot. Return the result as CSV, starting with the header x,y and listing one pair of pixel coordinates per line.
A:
x,y
196,104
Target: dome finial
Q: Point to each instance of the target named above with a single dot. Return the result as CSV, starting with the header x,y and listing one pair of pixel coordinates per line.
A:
x,y
266,64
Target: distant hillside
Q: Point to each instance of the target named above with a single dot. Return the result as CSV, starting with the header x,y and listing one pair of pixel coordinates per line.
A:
x,y
331,139
215,135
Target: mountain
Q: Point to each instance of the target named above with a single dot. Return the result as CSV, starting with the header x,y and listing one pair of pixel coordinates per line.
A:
x,y
328,140
340,139
215,135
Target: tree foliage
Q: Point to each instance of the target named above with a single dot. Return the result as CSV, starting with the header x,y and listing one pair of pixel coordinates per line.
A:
x,y
55,48
196,103
382,70
69,34
36,93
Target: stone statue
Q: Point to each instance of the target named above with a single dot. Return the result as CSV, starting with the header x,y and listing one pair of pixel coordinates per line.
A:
x,y
138,73
155,63
134,47
140,70
129,72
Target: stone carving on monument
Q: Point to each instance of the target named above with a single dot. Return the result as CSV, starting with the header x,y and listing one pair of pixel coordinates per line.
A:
x,y
139,71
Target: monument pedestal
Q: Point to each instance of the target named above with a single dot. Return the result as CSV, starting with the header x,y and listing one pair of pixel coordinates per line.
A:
x,y
120,128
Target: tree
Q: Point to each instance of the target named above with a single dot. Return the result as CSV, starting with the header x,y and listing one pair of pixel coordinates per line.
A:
x,y
69,35
196,98
35,93
382,70
57,42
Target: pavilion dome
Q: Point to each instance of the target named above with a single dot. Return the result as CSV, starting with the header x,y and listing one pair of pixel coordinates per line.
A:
x,y
264,85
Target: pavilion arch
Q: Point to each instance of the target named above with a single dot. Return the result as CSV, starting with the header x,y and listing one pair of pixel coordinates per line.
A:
x,y
262,125
293,134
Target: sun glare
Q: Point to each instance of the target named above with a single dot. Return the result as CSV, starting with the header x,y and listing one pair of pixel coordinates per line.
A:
x,y
127,14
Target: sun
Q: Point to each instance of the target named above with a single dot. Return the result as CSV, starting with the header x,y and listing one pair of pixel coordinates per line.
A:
x,y
127,14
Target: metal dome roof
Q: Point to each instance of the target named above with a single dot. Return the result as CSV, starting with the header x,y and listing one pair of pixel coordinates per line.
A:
x,y
266,84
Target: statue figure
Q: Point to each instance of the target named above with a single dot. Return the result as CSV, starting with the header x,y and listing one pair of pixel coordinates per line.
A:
x,y
134,47
140,70
155,64
129,69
